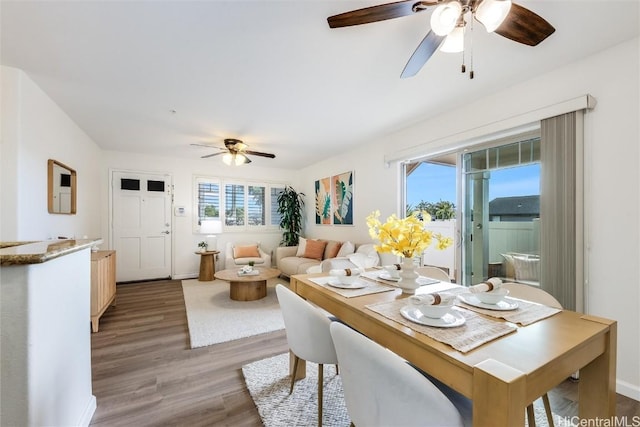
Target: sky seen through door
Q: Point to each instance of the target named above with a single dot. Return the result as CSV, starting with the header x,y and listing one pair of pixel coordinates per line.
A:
x,y
433,182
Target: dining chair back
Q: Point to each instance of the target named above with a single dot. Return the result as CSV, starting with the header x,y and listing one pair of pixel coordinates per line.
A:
x,y
540,296
308,336
433,273
531,293
382,389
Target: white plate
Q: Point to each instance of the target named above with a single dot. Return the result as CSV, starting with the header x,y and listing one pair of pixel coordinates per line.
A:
x,y
449,320
504,305
385,276
358,284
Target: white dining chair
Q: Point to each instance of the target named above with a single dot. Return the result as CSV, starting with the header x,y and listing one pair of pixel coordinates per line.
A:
x,y
540,296
434,273
308,336
382,389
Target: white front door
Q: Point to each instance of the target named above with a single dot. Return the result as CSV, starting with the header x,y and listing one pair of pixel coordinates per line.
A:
x,y
141,225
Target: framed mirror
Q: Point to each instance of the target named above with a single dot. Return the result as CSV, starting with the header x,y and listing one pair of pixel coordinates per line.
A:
x,y
62,188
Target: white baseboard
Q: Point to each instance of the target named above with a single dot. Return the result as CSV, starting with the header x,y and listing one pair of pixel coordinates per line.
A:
x,y
627,389
184,276
85,420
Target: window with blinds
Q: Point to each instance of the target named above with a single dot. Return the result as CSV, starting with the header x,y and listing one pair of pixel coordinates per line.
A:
x,y
208,200
234,197
238,205
275,215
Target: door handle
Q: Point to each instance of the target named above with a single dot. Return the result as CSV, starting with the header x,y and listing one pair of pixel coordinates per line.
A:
x,y
165,232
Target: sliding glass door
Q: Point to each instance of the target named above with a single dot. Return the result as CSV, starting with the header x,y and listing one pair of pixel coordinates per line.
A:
x,y
501,212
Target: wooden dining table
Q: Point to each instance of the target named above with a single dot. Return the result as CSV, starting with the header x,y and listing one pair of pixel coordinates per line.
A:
x,y
503,376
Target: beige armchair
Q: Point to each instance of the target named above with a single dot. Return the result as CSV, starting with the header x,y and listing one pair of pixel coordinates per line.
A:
x,y
240,254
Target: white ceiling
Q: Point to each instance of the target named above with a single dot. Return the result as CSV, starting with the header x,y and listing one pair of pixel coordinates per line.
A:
x,y
269,72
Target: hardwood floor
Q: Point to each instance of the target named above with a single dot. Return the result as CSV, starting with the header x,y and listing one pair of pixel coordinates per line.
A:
x,y
145,374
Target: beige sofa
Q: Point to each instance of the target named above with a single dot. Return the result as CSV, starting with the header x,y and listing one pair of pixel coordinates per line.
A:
x,y
290,260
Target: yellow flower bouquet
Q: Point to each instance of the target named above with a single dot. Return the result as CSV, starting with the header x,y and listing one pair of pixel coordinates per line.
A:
x,y
405,237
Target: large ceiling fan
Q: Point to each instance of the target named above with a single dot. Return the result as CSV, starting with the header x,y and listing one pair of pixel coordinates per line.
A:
x,y
235,152
449,21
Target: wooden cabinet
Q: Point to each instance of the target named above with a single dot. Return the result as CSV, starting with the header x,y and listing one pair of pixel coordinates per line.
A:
x,y
103,284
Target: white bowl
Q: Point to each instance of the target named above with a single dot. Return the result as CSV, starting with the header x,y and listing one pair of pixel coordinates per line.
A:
x,y
348,280
492,297
392,271
434,311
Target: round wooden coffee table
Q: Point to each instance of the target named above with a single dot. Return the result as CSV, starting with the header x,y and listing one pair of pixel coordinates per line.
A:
x,y
247,288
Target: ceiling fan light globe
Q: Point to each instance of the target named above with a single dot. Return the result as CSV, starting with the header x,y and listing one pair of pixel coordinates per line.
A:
x,y
454,42
445,17
491,13
227,158
240,159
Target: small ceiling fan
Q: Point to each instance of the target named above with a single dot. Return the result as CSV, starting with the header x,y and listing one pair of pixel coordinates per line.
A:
x,y
235,152
448,24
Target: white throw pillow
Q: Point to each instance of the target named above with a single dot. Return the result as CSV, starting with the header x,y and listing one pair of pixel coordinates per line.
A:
x,y
347,248
372,257
302,246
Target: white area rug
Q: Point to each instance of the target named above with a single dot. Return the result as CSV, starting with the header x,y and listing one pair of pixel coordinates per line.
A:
x,y
214,318
268,383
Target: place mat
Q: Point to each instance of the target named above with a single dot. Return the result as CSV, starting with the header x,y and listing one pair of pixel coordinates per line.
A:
x,y
475,332
526,313
372,288
375,276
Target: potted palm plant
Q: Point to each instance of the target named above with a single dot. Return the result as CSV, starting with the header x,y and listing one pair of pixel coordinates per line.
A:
x,y
290,208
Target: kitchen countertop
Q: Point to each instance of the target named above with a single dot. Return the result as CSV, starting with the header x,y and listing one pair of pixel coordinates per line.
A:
x,y
24,253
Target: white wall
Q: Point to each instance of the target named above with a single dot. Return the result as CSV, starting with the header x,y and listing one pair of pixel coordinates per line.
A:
x,y
371,185
35,129
185,262
611,169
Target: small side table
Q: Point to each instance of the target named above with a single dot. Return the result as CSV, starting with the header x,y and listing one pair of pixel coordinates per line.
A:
x,y
207,265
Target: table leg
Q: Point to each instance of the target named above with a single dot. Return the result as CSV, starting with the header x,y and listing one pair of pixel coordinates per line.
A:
x,y
498,395
248,291
597,387
207,268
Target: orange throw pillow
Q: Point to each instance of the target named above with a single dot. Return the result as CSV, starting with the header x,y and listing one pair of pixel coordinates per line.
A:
x,y
246,251
314,249
331,251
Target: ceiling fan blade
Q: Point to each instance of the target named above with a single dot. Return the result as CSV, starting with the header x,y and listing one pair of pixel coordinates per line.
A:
x,y
258,153
423,52
376,13
211,155
524,26
193,144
